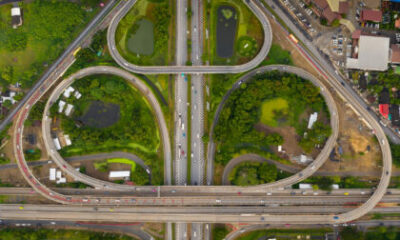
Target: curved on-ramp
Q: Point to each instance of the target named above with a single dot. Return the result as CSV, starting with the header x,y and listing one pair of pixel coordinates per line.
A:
x,y
46,123
321,158
253,6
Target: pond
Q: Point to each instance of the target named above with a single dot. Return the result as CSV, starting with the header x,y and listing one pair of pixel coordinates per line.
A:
x,y
100,115
227,19
140,38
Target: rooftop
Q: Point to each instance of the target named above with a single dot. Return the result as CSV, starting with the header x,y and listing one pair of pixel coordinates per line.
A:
x,y
371,15
373,54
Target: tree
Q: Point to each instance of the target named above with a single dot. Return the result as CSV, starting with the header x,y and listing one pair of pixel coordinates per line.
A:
x,y
351,233
267,172
274,139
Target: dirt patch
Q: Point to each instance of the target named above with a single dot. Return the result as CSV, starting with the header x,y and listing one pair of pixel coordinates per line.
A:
x,y
218,171
291,139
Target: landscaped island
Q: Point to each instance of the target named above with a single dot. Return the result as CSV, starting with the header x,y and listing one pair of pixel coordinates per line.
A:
x,y
271,115
145,36
109,115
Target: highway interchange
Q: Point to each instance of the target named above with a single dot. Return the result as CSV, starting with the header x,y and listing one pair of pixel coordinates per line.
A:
x,y
190,195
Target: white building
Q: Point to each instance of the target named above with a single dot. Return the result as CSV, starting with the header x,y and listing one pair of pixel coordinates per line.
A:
x,y
373,54
77,95
8,95
67,140
52,174
305,186
119,174
68,91
57,143
16,18
61,105
69,109
312,120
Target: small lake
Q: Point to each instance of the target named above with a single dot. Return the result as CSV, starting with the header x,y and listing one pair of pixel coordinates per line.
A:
x,y
140,38
100,115
227,19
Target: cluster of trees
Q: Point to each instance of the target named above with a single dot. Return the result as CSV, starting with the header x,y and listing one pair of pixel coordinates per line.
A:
x,y
43,233
395,149
242,111
162,18
379,233
33,154
315,136
140,176
247,46
253,173
36,113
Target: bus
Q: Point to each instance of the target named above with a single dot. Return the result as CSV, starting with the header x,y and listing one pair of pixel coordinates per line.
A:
x,y
293,38
76,51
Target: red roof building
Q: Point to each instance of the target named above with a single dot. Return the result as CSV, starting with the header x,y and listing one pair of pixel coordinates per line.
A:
x,y
371,15
384,110
395,50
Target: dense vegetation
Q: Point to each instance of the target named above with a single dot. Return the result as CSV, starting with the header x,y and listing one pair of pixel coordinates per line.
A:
x,y
135,131
285,234
395,149
42,233
235,130
48,27
325,183
253,173
379,233
159,13
219,232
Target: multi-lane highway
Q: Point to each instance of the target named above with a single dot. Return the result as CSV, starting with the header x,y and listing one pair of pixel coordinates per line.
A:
x,y
178,69
197,107
181,100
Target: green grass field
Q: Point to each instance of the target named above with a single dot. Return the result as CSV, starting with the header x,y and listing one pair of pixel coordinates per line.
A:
x,y
269,109
123,161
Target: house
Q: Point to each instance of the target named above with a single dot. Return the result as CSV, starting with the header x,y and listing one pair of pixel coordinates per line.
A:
x,y
57,143
61,105
69,109
68,91
68,141
16,18
8,95
395,53
77,95
119,174
370,57
312,120
52,174
384,110
371,15
330,9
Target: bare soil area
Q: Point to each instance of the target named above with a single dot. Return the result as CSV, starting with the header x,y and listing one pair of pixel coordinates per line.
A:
x,y
291,139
